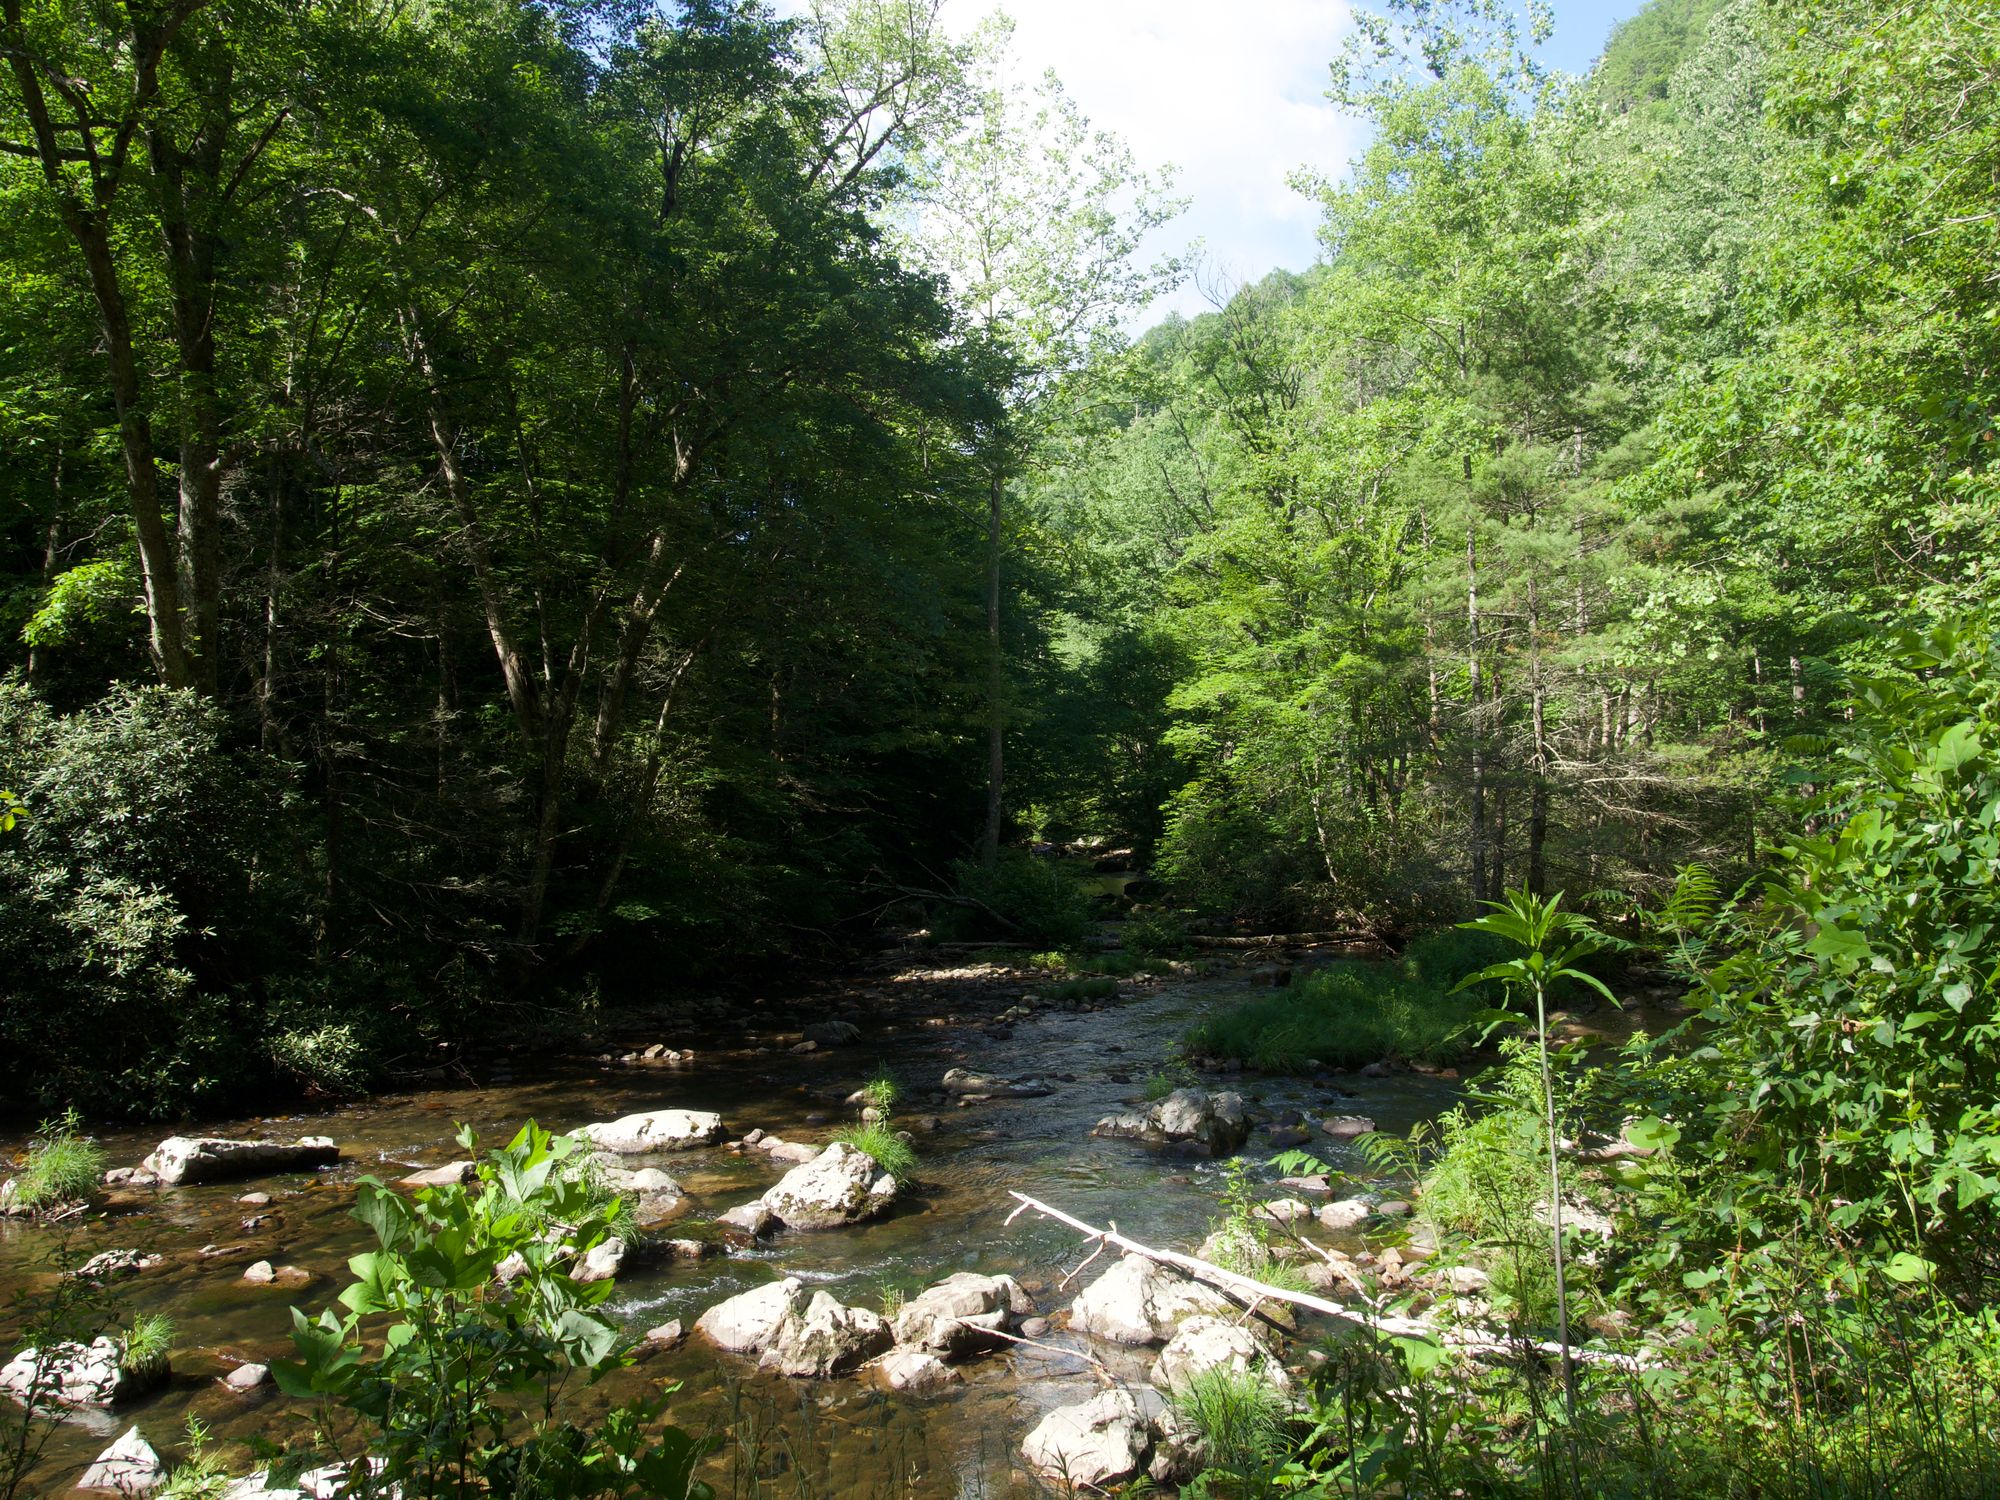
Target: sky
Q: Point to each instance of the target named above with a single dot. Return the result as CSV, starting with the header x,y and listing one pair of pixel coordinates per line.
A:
x,y
1235,100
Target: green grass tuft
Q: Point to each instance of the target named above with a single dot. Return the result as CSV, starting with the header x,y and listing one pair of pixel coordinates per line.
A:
x,y
148,1343
64,1165
882,1091
1239,1418
891,1152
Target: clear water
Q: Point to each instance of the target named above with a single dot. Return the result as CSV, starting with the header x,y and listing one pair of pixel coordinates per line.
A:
x,y
846,1437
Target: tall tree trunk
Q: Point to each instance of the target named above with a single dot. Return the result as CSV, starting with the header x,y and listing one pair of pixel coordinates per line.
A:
x,y
1538,768
51,545
996,708
1481,891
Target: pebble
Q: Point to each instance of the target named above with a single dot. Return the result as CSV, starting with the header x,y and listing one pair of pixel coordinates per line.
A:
x,y
254,1200
247,1377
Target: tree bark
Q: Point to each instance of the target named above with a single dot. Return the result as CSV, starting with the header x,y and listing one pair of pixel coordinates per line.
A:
x,y
996,708
1481,891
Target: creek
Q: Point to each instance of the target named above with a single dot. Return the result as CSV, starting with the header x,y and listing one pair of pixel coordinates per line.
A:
x,y
849,1437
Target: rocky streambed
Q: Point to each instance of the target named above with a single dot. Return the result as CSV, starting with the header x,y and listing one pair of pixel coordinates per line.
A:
x,y
965,1389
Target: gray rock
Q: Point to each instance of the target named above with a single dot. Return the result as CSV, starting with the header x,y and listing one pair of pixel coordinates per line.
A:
x,y
247,1377
1284,1211
796,1152
961,1314
1345,1213
109,1263
752,1219
189,1159
669,1335
90,1374
959,1081
602,1261
1034,1328
656,1130
1203,1344
451,1174
1214,1122
1347,1127
917,1372
840,1186
130,1177
1140,1302
1393,1208
794,1331
128,1467
832,1033
1093,1443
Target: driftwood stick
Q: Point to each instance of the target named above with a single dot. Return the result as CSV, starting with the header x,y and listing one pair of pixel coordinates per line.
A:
x,y
1249,1288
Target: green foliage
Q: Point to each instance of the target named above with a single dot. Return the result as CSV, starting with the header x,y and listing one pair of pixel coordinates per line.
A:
x,y
150,840
1155,934
1098,987
1342,1016
882,1091
201,1474
147,1344
466,1387
84,601
64,1165
1240,1422
891,1152
1020,896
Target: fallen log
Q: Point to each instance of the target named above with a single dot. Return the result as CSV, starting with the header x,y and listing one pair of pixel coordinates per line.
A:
x,y
1248,1288
1283,940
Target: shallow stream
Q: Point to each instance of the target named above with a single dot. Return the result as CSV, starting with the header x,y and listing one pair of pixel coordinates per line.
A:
x,y
845,1437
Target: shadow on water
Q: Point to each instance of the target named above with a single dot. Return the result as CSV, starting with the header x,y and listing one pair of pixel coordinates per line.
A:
x,y
846,1437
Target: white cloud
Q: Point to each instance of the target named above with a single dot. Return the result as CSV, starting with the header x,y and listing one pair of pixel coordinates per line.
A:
x,y
1235,101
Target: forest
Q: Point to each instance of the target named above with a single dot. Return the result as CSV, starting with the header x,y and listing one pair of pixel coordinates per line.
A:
x,y
523,517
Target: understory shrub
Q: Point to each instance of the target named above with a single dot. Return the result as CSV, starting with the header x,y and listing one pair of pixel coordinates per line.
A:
x,y
1342,1016
1021,897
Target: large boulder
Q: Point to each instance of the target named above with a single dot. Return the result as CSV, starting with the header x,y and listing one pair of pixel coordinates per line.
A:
x,y
92,1374
656,1130
842,1185
1203,1344
917,1372
1139,1301
1094,1443
128,1467
795,1331
1214,1123
189,1159
961,1314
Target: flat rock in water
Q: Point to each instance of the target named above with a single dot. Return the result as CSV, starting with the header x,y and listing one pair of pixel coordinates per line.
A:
x,y
1284,1211
263,1273
247,1377
960,1081
90,1374
451,1174
669,1335
1347,1127
840,1186
1094,1443
1346,1213
656,1130
1140,1302
917,1372
128,1467
109,1263
191,1159
1215,1124
752,1219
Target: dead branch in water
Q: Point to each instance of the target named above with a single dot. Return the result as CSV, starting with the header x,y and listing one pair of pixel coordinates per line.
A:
x,y
1247,1288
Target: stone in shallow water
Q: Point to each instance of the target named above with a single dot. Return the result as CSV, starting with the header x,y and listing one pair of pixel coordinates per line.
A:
x,y
191,1159
917,1372
1093,1443
247,1377
128,1467
656,1130
961,1314
1139,1302
840,1186
1204,1344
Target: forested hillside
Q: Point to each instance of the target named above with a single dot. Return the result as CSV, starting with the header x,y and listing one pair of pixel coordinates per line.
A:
x,y
1509,545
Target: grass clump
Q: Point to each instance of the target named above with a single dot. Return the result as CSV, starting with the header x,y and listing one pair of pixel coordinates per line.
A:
x,y
891,1152
1240,1421
147,1345
1100,987
64,1165
1343,1016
